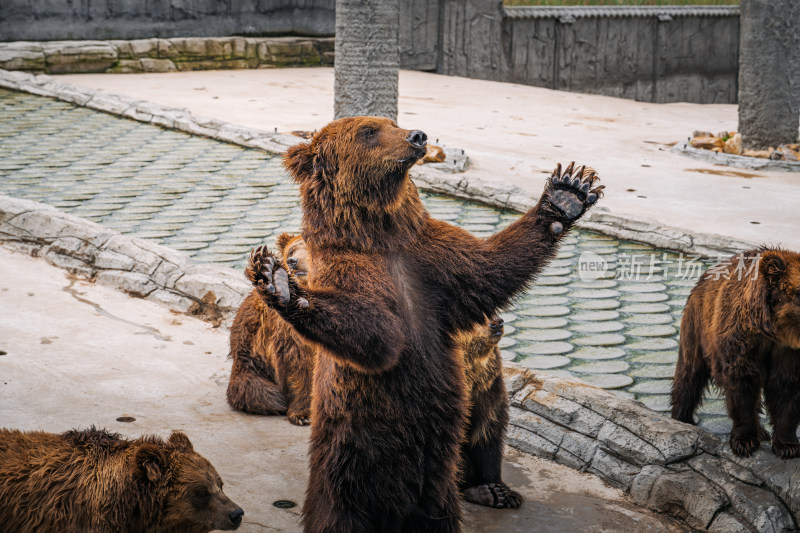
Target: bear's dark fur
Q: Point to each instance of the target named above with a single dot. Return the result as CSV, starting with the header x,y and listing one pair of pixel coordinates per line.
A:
x,y
272,365
743,331
388,286
482,450
96,481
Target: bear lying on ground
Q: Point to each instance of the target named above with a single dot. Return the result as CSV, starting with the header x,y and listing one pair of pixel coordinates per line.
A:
x,y
482,450
272,364
742,330
96,481
388,287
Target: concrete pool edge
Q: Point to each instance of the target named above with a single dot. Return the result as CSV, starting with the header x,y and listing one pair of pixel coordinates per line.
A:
x,y
666,466
428,178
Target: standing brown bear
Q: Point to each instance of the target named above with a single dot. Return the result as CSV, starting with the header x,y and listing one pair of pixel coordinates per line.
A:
x,y
96,481
482,449
255,335
272,364
388,286
741,327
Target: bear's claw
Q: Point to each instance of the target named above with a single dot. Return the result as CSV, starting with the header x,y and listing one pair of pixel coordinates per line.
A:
x,y
269,276
745,446
570,194
299,419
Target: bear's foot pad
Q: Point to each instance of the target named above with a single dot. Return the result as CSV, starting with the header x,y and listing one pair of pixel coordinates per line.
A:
x,y
496,495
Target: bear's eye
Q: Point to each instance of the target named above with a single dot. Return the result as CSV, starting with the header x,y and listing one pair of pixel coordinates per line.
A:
x,y
200,497
367,134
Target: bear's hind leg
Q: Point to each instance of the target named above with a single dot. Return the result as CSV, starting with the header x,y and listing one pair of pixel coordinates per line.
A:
x,y
742,395
251,392
482,453
691,372
782,397
446,519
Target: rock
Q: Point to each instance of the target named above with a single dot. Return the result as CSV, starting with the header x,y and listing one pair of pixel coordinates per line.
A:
x,y
727,523
134,283
433,154
734,145
157,65
701,133
70,264
723,134
763,154
707,143
22,56
687,494
230,288
110,260
757,505
614,470
172,300
788,152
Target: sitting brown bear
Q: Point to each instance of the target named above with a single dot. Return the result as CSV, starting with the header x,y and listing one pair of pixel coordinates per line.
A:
x,y
96,481
742,329
272,365
482,450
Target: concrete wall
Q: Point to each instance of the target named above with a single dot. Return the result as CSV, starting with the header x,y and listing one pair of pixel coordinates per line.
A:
x,y
48,20
658,54
653,55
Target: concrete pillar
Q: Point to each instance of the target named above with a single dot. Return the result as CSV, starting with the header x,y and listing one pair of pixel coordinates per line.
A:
x,y
367,58
769,72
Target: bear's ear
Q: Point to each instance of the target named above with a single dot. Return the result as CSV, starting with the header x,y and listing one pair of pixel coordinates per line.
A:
x,y
151,461
180,440
283,241
772,267
299,161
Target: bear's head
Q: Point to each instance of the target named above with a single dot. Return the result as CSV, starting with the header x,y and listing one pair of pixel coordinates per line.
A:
x,y
194,499
362,161
780,271
295,255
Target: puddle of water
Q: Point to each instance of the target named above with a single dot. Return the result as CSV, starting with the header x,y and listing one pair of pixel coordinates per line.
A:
x,y
728,173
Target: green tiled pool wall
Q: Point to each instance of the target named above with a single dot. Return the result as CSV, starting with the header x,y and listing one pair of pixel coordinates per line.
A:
x,y
617,329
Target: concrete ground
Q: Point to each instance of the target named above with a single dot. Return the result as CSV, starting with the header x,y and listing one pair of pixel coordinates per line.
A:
x,y
73,354
516,134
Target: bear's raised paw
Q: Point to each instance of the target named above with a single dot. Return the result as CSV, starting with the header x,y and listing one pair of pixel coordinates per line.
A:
x,y
271,279
571,193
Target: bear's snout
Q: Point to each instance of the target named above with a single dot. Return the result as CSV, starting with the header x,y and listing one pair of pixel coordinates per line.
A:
x,y
236,517
417,138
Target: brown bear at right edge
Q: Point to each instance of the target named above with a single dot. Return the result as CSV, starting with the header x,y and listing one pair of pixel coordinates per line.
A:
x,y
741,328
387,288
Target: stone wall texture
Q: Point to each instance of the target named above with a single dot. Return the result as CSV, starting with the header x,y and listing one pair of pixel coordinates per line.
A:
x,y
24,20
664,465
654,54
135,266
165,55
